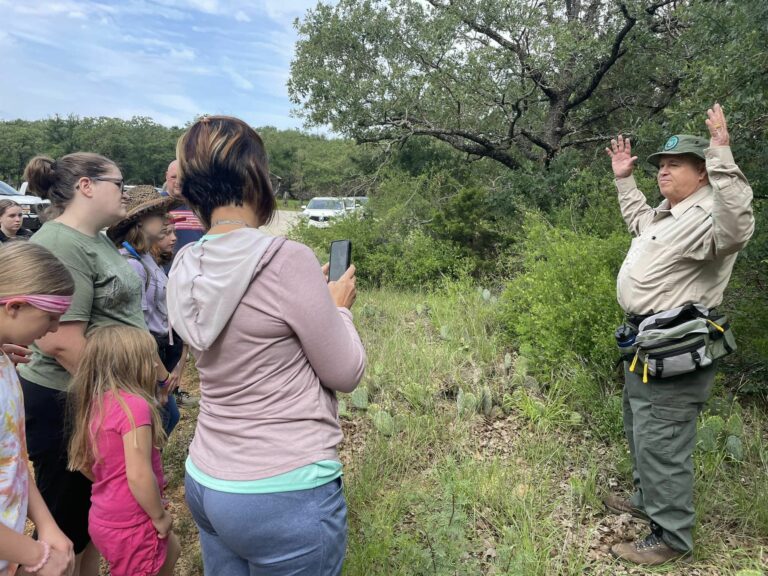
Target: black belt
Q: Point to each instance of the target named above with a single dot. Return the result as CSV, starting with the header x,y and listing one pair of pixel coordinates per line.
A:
x,y
637,319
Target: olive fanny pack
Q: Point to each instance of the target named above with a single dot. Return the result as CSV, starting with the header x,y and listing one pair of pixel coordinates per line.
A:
x,y
681,340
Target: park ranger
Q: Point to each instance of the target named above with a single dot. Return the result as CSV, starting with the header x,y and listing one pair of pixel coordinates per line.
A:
x,y
682,252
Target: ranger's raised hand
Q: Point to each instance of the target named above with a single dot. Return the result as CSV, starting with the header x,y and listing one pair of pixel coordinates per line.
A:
x,y
718,129
622,161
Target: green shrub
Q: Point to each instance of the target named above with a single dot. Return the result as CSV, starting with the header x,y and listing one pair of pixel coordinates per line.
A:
x,y
392,245
562,307
467,220
414,260
746,301
589,203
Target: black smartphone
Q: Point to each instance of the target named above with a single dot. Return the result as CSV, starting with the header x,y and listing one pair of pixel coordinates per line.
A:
x,y
341,258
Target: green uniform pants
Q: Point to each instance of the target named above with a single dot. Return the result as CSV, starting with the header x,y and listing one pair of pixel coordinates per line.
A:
x,y
660,425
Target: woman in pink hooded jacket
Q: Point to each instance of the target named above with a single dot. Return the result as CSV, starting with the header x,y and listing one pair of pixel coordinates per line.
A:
x,y
273,342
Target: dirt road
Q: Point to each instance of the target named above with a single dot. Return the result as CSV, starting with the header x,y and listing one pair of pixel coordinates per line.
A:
x,y
281,223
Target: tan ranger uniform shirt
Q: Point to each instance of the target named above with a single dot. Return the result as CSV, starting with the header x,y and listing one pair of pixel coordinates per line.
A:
x,y
686,253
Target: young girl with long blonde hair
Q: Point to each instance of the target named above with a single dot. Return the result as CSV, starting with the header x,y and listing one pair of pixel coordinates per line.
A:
x,y
35,290
116,442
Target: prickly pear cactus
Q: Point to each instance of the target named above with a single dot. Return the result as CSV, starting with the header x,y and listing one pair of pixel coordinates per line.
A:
x,y
359,398
486,401
707,438
734,448
709,433
716,423
384,423
735,425
466,403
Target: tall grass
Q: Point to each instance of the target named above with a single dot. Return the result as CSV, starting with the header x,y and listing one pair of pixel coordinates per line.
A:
x,y
516,492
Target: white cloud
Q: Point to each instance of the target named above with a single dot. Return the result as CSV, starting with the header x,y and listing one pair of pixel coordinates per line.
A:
x,y
287,9
186,54
179,103
166,59
239,80
6,39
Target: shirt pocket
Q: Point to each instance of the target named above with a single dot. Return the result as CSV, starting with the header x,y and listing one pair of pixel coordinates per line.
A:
x,y
654,263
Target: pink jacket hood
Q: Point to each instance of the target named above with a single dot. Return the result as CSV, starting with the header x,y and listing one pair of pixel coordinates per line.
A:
x,y
208,280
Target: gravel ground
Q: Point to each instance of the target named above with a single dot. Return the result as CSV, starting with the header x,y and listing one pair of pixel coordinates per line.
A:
x,y
282,223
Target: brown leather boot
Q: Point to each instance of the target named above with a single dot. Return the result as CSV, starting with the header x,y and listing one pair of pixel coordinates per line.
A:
x,y
651,551
618,505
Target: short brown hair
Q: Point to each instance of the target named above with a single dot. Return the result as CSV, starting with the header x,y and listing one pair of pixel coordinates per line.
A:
x,y
222,161
55,180
5,204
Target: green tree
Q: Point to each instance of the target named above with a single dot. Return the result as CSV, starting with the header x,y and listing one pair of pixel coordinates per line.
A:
x,y
511,81
311,165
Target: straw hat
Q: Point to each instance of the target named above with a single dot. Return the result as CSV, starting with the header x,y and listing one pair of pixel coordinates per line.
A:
x,y
144,200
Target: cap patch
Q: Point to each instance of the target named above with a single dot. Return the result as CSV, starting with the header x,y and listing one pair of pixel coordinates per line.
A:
x,y
671,143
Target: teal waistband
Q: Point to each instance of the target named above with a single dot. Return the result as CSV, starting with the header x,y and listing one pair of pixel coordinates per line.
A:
x,y
303,478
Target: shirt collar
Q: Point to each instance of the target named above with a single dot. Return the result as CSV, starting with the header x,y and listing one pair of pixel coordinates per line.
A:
x,y
663,209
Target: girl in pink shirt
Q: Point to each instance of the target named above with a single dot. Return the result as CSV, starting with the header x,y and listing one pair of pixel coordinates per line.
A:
x,y
116,442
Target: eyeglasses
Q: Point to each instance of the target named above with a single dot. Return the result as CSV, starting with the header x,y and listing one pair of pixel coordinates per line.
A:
x,y
118,181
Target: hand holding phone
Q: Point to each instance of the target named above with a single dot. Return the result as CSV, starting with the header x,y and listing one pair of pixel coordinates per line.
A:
x,y
341,274
341,258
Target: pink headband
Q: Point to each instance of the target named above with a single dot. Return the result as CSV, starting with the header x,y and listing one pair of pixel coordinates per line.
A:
x,y
44,302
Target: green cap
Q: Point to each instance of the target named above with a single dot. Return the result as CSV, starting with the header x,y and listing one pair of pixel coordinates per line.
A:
x,y
681,144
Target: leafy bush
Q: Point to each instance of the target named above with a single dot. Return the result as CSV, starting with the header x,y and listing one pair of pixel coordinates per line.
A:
x,y
746,300
392,245
562,307
590,204
467,220
412,260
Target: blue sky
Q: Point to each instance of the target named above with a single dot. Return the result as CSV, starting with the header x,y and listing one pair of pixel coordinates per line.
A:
x,y
167,59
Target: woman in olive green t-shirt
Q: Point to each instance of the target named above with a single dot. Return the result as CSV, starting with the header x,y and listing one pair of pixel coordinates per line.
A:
x,y
87,194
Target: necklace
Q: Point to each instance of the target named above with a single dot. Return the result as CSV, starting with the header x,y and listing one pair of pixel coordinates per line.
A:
x,y
224,222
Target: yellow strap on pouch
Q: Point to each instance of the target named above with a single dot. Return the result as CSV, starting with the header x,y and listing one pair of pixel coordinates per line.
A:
x,y
720,328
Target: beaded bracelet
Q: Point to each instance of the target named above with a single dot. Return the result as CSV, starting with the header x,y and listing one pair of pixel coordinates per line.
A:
x,y
46,556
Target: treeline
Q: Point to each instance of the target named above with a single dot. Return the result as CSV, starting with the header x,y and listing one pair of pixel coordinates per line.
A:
x,y
140,146
303,164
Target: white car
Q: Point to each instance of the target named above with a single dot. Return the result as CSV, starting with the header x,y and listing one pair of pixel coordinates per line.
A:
x,y
320,211
31,206
355,203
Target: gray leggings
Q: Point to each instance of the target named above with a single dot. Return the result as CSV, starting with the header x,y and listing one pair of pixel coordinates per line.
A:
x,y
297,533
